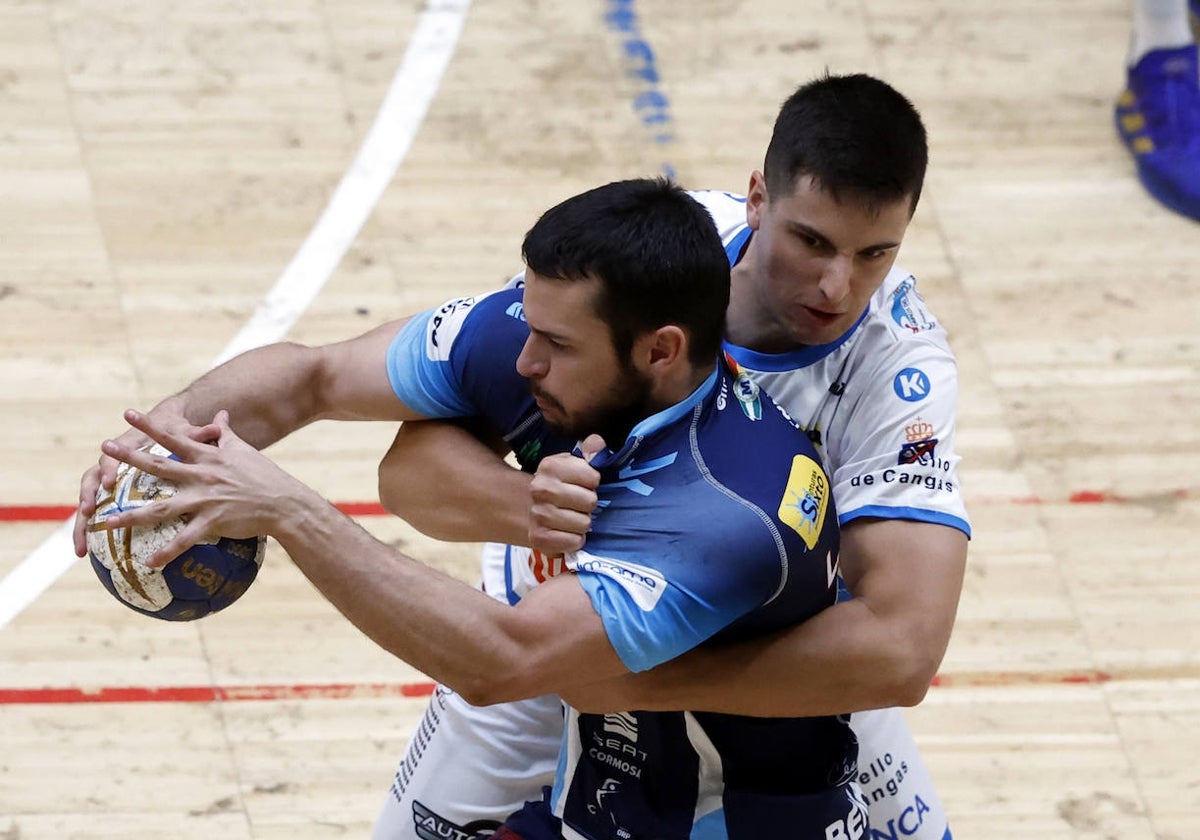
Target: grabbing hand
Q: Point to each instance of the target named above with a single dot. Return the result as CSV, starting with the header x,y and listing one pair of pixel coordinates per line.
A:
x,y
563,496
104,472
223,486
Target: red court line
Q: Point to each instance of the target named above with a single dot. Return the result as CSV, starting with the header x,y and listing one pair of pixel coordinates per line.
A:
x,y
56,513
210,693
356,691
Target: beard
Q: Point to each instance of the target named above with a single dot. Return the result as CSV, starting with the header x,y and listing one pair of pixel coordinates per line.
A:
x,y
622,406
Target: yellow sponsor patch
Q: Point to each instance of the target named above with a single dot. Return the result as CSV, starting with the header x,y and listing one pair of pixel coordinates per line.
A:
x,y
805,499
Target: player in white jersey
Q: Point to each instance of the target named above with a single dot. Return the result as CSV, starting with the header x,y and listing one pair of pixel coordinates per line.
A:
x,y
821,320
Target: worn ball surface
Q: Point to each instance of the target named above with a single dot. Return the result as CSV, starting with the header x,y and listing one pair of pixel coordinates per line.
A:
x,y
204,579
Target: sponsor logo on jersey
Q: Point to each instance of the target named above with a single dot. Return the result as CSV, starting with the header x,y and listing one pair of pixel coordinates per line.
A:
x,y
908,308
643,584
854,825
516,310
628,476
444,327
911,385
622,723
805,500
616,747
430,825
893,476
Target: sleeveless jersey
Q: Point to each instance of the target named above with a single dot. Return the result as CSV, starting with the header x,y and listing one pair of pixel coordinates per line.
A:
x,y
715,522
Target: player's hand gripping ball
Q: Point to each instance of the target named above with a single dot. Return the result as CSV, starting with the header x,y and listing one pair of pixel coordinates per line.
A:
x,y
206,578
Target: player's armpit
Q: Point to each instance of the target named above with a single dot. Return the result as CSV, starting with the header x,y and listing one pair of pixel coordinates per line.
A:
x,y
444,480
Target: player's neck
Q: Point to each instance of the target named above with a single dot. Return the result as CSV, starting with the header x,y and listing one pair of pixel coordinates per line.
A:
x,y
747,326
663,394
681,385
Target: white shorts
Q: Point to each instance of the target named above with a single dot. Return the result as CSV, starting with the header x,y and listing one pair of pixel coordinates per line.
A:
x,y
466,768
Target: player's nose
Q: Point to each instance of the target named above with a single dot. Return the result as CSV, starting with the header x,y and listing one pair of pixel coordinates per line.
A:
x,y
835,278
530,363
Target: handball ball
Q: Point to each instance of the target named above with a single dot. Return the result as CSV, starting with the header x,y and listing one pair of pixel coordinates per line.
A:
x,y
204,579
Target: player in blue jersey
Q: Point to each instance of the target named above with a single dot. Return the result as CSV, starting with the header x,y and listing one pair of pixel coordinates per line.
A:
x,y
818,249
823,320
715,522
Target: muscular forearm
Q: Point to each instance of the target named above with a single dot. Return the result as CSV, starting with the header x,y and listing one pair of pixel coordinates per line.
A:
x,y
840,661
449,485
484,650
272,391
427,619
880,649
269,392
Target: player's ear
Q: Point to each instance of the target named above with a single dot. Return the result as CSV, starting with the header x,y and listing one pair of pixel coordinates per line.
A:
x,y
666,347
756,199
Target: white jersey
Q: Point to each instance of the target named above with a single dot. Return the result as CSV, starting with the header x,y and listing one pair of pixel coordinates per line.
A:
x,y
879,402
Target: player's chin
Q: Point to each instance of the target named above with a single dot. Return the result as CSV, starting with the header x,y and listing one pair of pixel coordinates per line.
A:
x,y
814,328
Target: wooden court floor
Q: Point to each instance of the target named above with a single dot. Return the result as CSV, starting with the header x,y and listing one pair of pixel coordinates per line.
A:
x,y
162,164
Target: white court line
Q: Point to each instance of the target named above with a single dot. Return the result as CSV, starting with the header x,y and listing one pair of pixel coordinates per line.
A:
x,y
400,117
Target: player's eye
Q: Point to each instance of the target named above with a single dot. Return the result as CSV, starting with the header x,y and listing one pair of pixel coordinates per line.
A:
x,y
556,345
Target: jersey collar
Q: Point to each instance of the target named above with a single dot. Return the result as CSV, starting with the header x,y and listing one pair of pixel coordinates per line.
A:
x,y
655,423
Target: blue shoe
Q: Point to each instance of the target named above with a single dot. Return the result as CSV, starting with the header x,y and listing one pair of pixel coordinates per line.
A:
x,y
1158,118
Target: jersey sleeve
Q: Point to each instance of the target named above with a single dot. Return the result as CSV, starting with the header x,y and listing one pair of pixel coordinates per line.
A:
x,y
655,608
459,359
898,459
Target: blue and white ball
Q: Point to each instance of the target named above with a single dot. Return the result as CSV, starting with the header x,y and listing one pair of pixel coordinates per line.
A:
x,y
204,579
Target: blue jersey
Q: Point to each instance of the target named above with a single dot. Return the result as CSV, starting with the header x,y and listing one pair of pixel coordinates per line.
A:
x,y
715,523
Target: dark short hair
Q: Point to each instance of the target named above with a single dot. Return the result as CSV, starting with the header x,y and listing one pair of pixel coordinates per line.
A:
x,y
655,252
855,135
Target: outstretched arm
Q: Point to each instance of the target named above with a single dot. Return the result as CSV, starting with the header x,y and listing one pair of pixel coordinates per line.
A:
x,y
487,651
271,392
880,649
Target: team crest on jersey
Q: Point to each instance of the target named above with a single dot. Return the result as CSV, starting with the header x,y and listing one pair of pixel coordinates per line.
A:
x,y
921,445
805,500
922,452
747,394
444,326
908,308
